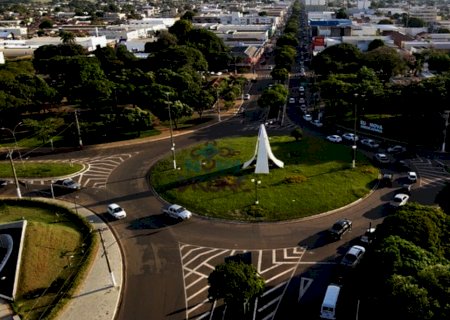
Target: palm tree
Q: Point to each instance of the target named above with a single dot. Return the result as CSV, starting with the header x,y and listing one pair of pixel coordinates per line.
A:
x,y
67,37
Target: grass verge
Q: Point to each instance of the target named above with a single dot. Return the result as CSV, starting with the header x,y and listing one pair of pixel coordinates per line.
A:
x,y
317,177
58,249
38,170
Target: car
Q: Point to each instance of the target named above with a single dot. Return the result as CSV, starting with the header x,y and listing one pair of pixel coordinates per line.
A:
x,y
3,183
401,165
301,88
370,143
353,256
399,200
67,183
334,138
386,180
406,189
350,136
116,211
291,100
382,158
303,107
301,100
368,236
339,228
177,212
412,176
307,117
246,96
396,149
317,123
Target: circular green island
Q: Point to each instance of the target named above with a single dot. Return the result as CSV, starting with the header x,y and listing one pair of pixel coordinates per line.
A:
x,y
317,177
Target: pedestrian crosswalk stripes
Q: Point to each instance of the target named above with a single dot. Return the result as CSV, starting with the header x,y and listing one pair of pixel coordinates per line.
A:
x,y
431,172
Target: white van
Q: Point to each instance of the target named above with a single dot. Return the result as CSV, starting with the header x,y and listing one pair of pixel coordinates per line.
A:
x,y
328,309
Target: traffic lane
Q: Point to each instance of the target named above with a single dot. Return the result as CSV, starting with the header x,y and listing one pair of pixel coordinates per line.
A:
x,y
151,254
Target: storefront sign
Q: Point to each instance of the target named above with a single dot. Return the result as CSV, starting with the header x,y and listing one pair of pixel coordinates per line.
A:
x,y
371,126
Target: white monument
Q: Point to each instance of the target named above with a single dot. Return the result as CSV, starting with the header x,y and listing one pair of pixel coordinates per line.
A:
x,y
263,153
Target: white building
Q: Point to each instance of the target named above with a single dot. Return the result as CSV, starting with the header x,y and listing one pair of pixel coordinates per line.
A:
x,y
427,14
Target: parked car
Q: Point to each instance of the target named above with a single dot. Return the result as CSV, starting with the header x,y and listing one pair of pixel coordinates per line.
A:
x,y
406,189
116,211
368,236
386,180
412,176
396,149
246,96
370,143
353,256
334,138
382,158
301,100
301,88
401,165
307,117
339,228
317,123
291,100
67,183
350,136
303,107
177,212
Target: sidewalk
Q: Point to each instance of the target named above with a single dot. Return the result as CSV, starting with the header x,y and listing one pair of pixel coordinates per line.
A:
x,y
99,294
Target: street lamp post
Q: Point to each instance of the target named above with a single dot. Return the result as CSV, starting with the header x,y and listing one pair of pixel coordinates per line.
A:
x,y
218,102
172,143
10,155
445,115
256,182
13,132
354,134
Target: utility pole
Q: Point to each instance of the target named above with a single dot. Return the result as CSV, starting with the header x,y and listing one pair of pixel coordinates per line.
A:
x,y
19,194
80,142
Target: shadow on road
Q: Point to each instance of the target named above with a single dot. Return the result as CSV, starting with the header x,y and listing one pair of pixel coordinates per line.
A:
x,y
153,222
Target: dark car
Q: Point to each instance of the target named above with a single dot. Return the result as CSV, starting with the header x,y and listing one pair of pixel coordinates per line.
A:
x,y
386,180
3,183
339,228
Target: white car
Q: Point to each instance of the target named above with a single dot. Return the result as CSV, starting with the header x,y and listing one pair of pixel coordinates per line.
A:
x,y
396,149
370,143
116,211
412,176
317,123
307,117
334,138
353,256
67,183
350,136
291,100
382,158
301,100
400,199
178,212
246,96
301,88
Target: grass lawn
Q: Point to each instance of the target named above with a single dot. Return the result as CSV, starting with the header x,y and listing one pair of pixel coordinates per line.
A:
x,y
57,248
317,177
38,170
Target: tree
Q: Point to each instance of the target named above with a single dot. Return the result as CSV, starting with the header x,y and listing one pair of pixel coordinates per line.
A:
x,y
341,14
165,40
188,15
274,97
44,129
439,62
235,282
376,43
413,22
46,24
443,198
297,134
340,58
280,74
67,37
181,29
287,40
386,61
177,57
385,21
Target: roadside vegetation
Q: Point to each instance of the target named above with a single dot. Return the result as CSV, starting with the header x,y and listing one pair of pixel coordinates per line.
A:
x,y
317,177
57,251
27,169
